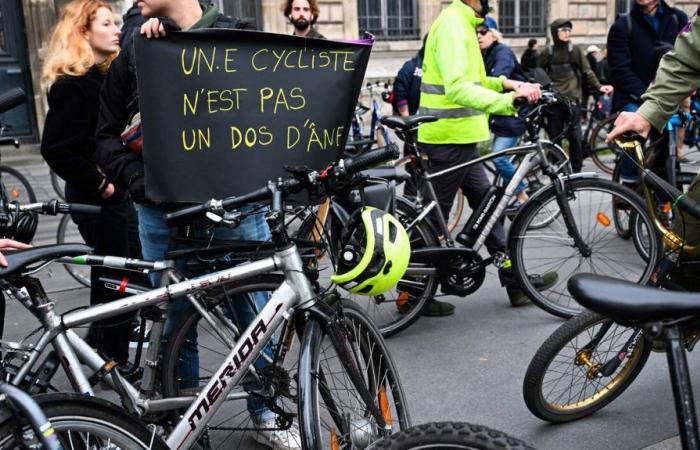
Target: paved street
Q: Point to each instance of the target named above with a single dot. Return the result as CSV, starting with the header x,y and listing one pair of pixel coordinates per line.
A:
x,y
467,367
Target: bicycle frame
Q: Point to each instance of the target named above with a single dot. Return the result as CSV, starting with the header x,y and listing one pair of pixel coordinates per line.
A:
x,y
294,294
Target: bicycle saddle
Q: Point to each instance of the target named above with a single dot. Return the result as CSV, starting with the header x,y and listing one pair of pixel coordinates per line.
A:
x,y
624,301
406,123
17,261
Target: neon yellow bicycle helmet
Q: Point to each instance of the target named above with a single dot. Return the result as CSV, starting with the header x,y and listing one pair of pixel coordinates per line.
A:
x,y
374,255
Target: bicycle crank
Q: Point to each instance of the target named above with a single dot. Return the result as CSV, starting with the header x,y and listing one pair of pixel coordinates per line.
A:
x,y
461,270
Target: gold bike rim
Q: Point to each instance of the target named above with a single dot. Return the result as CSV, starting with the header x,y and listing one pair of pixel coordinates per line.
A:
x,y
605,390
458,213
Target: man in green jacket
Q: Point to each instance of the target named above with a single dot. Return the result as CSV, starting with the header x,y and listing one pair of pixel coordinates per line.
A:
x,y
567,66
456,89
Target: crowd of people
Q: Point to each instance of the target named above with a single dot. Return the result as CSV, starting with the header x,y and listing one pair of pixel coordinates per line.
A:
x,y
465,74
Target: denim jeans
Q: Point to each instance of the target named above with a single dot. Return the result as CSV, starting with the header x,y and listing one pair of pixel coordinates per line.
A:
x,y
505,168
155,242
629,172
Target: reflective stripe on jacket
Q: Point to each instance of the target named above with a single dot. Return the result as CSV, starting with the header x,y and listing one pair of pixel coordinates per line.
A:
x,y
455,86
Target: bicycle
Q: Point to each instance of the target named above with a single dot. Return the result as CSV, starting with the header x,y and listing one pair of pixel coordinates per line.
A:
x,y
441,435
377,136
370,403
591,359
570,218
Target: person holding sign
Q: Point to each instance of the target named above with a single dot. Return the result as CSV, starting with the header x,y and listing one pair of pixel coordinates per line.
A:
x,y
82,47
118,103
457,89
302,14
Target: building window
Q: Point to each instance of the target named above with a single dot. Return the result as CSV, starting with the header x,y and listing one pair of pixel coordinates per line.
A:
x,y
623,6
522,17
248,10
389,19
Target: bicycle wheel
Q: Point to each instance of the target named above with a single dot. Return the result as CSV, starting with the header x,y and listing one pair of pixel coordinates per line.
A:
x,y
68,232
456,211
186,373
332,413
600,250
602,154
16,185
397,309
83,423
58,184
564,380
441,435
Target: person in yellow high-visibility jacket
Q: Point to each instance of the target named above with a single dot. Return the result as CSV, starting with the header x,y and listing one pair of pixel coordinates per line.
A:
x,y
456,89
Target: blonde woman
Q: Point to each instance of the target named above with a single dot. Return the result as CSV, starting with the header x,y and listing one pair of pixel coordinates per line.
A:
x,y
84,43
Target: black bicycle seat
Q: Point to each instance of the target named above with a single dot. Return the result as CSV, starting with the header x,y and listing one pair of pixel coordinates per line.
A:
x,y
624,301
406,123
17,261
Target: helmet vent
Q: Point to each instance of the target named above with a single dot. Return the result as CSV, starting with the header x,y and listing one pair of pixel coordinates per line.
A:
x,y
393,231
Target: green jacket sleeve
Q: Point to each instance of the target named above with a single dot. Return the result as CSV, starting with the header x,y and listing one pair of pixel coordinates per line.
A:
x,y
677,77
453,61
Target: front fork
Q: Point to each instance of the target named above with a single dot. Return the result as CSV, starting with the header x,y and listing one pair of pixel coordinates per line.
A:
x,y
563,193
331,322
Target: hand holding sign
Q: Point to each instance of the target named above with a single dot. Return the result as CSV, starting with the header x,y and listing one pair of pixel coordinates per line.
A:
x,y
223,110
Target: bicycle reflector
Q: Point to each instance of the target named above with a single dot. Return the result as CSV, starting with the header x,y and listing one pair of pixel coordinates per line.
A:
x,y
375,250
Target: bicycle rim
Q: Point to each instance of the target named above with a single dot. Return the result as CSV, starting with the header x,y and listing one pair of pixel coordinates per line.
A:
x,y
332,412
564,378
17,186
552,250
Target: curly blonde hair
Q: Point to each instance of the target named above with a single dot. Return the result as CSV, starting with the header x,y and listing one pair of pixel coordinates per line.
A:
x,y
69,53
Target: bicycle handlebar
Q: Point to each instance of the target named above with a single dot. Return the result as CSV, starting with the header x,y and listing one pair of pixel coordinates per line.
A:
x,y
54,207
348,166
10,99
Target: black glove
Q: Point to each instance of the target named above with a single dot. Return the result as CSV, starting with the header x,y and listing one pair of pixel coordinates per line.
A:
x,y
137,187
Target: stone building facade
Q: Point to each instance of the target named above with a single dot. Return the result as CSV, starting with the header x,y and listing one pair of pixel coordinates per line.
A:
x,y
398,25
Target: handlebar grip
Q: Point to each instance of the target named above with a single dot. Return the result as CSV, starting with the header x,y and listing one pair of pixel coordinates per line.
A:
x,y
250,197
364,161
84,209
519,102
10,99
686,204
185,212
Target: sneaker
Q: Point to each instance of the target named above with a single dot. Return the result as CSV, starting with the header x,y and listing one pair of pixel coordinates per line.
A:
x,y
436,308
271,436
683,159
516,296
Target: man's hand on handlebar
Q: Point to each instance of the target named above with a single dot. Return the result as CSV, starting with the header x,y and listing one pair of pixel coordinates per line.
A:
x,y
9,244
629,121
529,91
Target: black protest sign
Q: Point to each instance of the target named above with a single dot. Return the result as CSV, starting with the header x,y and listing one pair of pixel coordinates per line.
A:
x,y
223,111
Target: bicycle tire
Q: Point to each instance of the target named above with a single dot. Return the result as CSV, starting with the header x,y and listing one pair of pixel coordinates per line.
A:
x,y
527,247
20,190
379,373
449,435
58,185
569,332
81,274
70,413
232,424
598,146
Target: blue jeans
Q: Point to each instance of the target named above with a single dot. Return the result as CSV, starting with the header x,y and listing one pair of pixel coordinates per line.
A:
x,y
155,242
505,168
629,172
